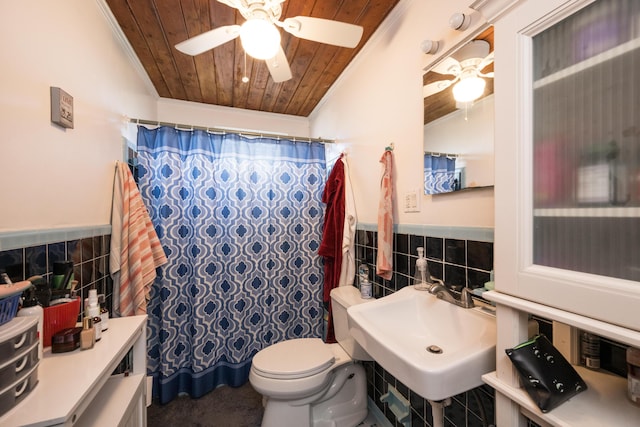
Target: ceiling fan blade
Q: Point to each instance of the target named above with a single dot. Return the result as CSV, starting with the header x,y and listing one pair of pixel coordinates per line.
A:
x,y
323,30
435,87
448,66
486,61
279,67
208,40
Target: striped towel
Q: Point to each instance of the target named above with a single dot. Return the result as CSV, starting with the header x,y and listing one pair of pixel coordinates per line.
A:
x,y
384,263
135,248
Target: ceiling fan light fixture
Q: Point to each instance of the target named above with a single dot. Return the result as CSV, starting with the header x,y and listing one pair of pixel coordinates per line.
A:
x,y
260,38
469,89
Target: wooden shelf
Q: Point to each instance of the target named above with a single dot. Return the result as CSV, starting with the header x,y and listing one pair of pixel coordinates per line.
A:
x,y
603,403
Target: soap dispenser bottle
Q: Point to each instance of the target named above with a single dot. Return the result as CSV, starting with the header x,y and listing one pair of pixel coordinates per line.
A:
x,y
421,279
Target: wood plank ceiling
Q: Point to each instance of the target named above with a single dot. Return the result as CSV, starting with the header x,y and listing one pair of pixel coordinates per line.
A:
x,y
442,103
154,27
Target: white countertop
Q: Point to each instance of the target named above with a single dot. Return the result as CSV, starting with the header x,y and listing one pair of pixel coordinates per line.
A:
x,y
69,381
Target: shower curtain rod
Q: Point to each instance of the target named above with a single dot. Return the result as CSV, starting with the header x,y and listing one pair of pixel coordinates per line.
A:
x,y
236,131
436,154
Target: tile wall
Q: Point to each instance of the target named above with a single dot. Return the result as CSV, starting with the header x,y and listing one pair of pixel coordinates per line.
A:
x,y
458,262
90,256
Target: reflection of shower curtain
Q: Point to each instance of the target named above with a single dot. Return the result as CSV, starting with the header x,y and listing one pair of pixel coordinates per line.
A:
x,y
439,174
240,220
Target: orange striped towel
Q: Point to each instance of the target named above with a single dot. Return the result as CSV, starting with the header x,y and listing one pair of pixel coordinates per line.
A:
x,y
384,262
140,249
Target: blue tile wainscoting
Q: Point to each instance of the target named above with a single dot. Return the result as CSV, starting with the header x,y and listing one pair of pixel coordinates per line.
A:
x,y
460,256
28,253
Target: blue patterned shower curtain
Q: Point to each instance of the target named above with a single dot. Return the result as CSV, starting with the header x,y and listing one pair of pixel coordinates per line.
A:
x,y
240,220
439,174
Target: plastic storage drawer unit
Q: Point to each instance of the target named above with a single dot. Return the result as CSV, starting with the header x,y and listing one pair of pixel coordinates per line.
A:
x,y
18,360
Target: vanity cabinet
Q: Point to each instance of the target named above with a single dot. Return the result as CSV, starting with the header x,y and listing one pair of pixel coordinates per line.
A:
x,y
77,388
567,189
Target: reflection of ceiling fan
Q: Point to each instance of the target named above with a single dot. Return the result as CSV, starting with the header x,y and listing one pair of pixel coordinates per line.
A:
x,y
261,39
466,65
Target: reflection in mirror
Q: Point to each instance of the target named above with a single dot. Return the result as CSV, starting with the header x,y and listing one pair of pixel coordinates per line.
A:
x,y
440,173
458,137
461,144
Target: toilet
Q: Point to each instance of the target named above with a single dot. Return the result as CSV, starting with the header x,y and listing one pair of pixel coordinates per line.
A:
x,y
306,382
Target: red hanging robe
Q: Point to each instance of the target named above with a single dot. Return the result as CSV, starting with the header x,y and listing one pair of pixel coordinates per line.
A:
x,y
331,244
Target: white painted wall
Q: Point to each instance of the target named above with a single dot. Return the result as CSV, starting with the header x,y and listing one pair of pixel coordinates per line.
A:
x,y
53,177
378,100
195,114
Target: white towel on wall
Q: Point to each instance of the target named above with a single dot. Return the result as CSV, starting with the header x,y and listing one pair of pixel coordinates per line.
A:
x,y
348,268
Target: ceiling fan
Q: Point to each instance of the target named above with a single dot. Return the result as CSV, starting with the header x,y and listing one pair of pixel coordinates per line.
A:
x,y
466,65
261,39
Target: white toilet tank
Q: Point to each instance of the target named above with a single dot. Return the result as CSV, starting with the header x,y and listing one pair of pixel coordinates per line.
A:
x,y
342,298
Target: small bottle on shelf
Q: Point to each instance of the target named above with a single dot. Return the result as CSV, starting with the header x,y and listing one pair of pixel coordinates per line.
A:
x,y
590,350
88,335
92,310
104,312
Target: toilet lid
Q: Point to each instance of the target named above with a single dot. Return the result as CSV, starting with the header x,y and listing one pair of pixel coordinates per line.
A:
x,y
296,358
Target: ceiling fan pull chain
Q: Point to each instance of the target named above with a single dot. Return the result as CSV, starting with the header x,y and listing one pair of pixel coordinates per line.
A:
x,y
245,79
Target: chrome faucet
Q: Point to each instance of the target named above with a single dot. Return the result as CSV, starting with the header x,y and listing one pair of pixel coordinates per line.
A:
x,y
439,289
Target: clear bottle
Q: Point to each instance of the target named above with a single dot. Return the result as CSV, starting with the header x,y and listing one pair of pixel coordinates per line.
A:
x,y
421,279
365,285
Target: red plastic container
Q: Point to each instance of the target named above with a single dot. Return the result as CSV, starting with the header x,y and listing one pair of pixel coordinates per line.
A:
x,y
59,317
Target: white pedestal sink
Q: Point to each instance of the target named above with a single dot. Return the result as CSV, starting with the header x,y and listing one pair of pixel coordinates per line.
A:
x,y
435,348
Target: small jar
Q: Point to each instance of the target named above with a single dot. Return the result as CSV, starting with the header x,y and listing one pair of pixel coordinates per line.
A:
x,y
633,374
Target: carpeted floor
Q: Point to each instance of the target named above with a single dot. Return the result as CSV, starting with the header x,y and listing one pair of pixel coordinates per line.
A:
x,y
223,407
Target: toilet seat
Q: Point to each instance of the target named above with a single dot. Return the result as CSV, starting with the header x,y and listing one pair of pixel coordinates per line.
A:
x,y
293,359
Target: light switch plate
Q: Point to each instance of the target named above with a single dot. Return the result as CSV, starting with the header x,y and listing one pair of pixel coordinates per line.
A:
x,y
411,201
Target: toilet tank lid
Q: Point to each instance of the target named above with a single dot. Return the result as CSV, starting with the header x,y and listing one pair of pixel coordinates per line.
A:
x,y
347,296
296,358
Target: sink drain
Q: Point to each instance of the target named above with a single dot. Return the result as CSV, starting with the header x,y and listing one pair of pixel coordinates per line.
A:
x,y
434,349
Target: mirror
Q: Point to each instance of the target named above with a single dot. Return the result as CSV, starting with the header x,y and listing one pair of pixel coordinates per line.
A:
x,y
458,138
